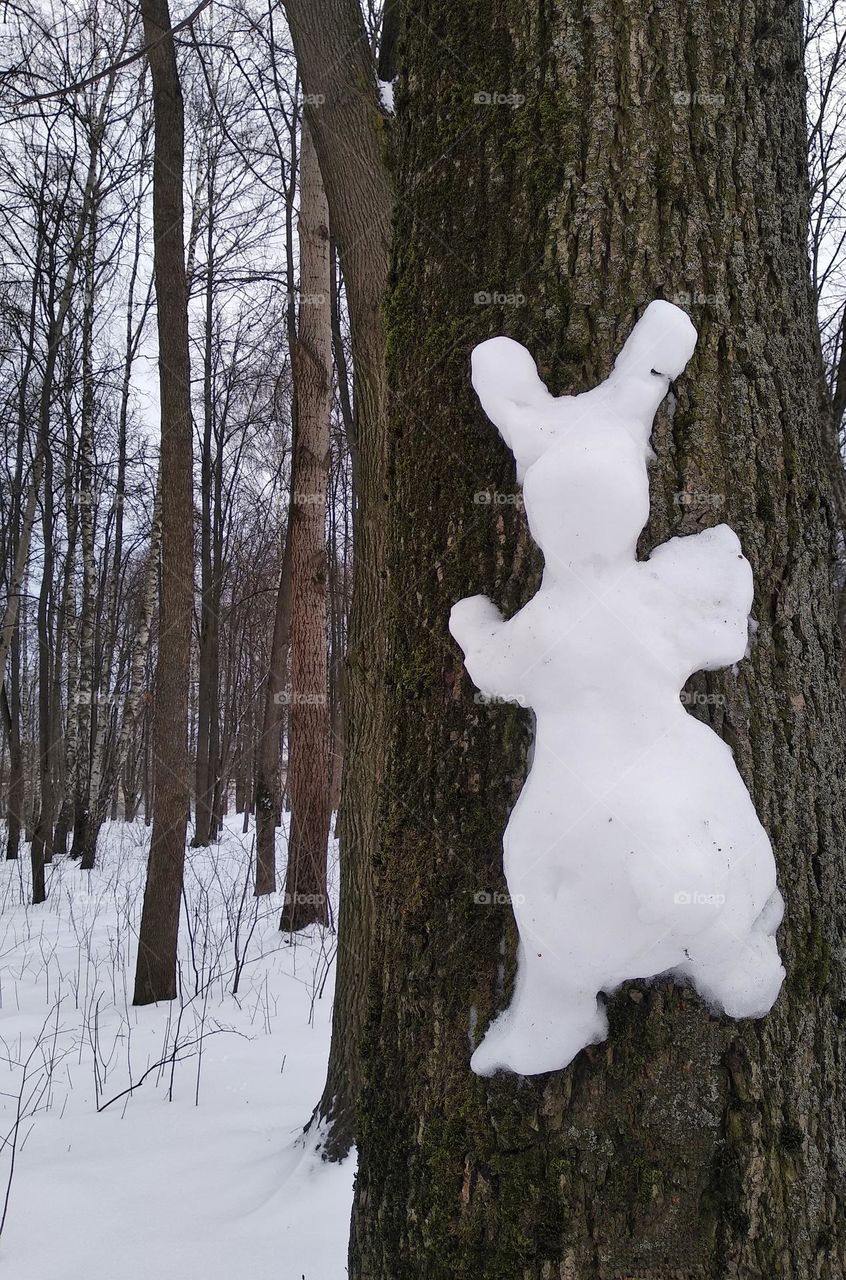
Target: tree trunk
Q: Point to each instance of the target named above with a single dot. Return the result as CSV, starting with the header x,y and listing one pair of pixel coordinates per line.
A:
x,y
265,757
69,756
11,635
130,724
104,777
267,749
598,158
155,975
84,830
16,799
347,126
305,877
207,656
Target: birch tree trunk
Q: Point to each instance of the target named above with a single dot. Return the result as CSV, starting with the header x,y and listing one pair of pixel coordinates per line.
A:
x,y
305,877
597,157
130,723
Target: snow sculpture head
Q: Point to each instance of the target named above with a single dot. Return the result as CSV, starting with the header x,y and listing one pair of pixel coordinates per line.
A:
x,y
634,849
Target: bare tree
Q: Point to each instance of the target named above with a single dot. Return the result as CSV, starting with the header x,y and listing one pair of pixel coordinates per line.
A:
x,y
155,976
309,773
344,113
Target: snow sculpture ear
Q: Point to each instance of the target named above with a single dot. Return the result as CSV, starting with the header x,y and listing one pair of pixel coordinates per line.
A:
x,y
530,420
661,343
655,352
506,380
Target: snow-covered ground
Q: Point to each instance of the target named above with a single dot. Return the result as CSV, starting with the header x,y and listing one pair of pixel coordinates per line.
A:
x,y
199,1170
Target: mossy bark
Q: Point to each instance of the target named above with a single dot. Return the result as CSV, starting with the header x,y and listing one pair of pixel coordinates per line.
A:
x,y
574,161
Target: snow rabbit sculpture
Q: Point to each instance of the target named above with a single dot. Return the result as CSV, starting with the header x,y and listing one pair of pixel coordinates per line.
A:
x,y
634,848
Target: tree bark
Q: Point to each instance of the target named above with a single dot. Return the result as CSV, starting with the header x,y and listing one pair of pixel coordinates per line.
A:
x,y
266,755
68,757
16,797
305,894
267,797
155,975
130,723
347,126
84,831
208,657
104,777
636,153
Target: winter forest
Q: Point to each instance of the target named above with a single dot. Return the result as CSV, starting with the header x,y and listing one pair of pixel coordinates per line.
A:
x,y
422,608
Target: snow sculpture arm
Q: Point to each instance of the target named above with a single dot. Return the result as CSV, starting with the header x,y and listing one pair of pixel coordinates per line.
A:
x,y
485,639
709,589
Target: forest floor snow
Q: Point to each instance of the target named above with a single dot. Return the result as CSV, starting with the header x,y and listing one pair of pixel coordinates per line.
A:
x,y
165,1140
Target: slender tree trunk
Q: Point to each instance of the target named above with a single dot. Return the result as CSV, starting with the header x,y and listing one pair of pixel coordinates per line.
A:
x,y
305,877
84,833
343,500
138,661
16,801
102,760
155,976
11,637
267,749
69,755
648,155
207,656
41,849
266,756
348,130
63,648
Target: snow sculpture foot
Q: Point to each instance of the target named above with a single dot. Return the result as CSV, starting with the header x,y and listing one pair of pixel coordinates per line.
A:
x,y
747,981
634,849
526,1040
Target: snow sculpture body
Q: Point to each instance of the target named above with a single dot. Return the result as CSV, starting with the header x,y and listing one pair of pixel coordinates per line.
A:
x,y
634,848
